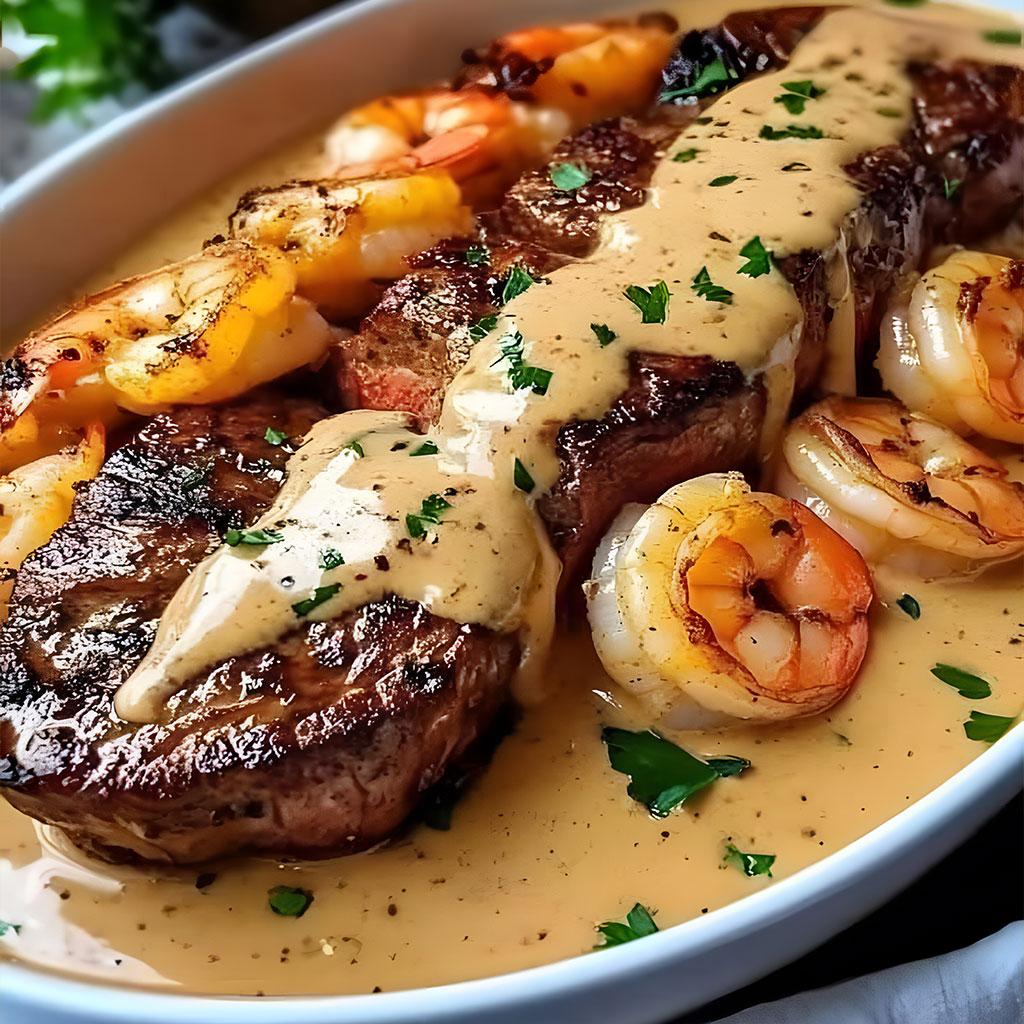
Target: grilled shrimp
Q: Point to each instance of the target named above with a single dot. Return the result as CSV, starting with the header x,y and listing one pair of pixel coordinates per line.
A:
x,y
36,499
907,491
530,90
341,235
205,329
718,603
954,347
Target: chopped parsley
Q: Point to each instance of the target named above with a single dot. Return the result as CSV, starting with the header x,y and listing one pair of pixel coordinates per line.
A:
x,y
483,327
477,255
707,289
235,537
317,598
684,156
288,901
431,510
195,477
759,259
965,683
521,375
950,188
792,131
275,437
604,334
663,775
910,605
986,728
750,864
638,924
712,78
569,177
7,926
889,112
427,448
518,282
355,447
330,558
652,302
521,477
795,98
723,179
1003,36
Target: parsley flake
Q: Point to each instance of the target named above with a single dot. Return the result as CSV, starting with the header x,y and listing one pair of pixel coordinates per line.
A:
x,y
638,924
986,728
707,289
652,302
521,375
330,558
750,864
521,477
759,259
569,177
518,282
604,334
684,156
317,598
795,98
712,78
965,683
431,509
723,179
275,437
7,926
950,188
1003,36
792,131
893,112
427,448
195,477
483,327
355,447
235,537
663,775
477,255
910,605
288,901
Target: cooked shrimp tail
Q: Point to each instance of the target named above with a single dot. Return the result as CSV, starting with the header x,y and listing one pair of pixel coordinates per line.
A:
x,y
719,603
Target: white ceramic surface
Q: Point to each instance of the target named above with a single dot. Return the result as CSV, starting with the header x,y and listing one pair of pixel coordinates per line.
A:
x,y
66,217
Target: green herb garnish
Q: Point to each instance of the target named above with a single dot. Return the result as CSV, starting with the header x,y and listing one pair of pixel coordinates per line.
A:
x,y
521,375
431,510
195,477
235,537
792,131
652,302
521,477
518,282
795,98
663,775
889,111
355,447
317,598
288,901
438,805
707,289
909,605
638,924
684,156
604,334
950,188
483,327
723,179
275,437
427,448
569,177
986,728
750,864
330,559
965,683
477,255
7,926
1003,36
759,259
713,78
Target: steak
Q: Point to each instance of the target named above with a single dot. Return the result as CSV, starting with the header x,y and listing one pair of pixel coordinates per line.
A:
x,y
321,744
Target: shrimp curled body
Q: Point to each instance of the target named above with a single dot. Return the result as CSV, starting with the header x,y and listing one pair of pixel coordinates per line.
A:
x,y
718,603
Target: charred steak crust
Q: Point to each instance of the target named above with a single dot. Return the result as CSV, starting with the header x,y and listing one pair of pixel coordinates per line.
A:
x,y
319,744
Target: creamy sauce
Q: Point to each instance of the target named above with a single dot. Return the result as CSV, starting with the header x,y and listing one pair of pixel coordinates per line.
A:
x,y
547,843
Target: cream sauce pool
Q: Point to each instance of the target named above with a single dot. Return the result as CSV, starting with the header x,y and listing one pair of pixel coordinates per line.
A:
x,y
547,843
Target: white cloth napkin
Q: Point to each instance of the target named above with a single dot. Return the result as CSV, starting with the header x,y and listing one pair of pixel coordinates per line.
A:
x,y
981,984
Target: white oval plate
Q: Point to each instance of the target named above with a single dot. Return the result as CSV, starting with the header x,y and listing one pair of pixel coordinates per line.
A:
x,y
191,137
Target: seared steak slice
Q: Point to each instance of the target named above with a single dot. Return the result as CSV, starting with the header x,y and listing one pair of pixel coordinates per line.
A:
x,y
317,745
